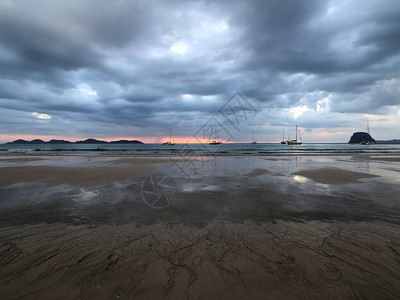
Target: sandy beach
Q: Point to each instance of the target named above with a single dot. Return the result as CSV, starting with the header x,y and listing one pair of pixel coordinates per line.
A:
x,y
255,227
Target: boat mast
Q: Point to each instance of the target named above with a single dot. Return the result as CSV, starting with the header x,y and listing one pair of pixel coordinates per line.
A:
x,y
296,133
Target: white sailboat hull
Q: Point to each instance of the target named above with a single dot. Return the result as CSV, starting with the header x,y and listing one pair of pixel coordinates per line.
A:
x,y
296,141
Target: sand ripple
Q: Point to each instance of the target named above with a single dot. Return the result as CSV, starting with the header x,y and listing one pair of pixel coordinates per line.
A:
x,y
223,260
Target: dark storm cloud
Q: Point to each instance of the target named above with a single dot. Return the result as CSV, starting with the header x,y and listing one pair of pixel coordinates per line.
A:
x,y
309,37
146,65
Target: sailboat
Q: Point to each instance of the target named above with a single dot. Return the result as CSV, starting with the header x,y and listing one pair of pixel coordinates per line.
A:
x,y
171,141
283,136
295,142
215,141
367,141
253,142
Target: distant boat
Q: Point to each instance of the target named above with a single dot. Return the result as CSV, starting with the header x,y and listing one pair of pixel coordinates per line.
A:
x,y
283,136
368,141
253,142
171,141
215,141
295,142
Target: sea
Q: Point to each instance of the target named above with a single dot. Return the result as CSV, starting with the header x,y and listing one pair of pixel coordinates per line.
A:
x,y
187,150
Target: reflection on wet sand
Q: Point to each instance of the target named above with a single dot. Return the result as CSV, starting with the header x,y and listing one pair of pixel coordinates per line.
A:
x,y
239,227
333,175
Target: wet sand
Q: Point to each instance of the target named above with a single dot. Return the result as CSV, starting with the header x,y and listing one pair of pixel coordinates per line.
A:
x,y
333,176
383,158
223,260
238,228
93,176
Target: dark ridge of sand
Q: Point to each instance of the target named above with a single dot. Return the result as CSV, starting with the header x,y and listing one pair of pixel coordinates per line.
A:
x,y
333,175
383,158
20,159
285,260
140,160
392,169
278,159
85,176
258,172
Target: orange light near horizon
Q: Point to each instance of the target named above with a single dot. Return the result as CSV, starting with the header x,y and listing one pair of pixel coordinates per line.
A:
x,y
4,138
176,139
188,140
322,132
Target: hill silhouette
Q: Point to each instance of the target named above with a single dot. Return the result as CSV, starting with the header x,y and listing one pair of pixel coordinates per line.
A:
x,y
87,141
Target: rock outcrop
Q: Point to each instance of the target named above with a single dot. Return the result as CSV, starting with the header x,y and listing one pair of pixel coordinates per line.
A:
x,y
359,137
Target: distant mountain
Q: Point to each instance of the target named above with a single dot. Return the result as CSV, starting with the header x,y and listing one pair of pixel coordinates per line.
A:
x,y
91,141
20,141
24,142
126,142
395,141
58,142
37,141
87,141
359,137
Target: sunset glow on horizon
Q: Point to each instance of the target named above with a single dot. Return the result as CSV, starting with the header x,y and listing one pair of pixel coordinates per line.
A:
x,y
146,140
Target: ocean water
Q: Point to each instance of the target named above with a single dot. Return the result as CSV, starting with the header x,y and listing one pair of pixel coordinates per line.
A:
x,y
197,149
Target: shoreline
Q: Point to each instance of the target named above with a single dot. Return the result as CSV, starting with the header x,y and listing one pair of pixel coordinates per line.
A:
x,y
196,154
191,150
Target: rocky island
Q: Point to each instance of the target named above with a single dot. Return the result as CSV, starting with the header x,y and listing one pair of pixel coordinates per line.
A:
x,y
361,137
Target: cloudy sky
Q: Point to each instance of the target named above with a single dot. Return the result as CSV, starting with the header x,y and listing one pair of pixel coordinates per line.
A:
x,y
133,69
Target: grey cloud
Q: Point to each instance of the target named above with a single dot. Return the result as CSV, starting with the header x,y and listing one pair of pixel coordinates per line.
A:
x,y
98,65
